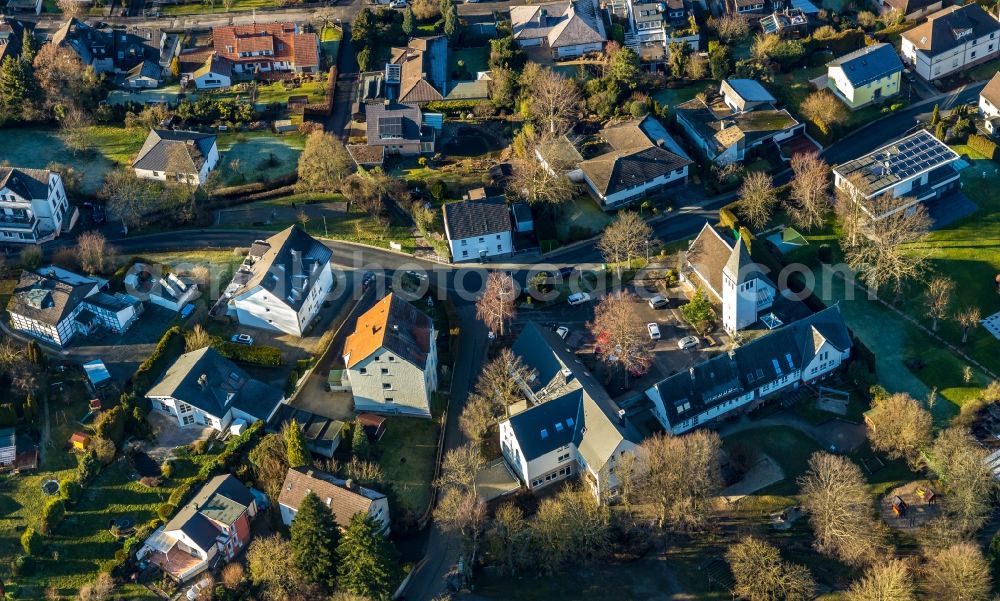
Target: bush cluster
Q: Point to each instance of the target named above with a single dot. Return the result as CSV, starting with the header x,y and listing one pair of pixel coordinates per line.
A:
x,y
170,347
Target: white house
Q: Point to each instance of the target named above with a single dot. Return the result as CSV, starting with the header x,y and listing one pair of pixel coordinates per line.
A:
x,y
144,75
8,446
951,40
217,72
572,426
33,205
805,351
391,359
282,283
177,156
204,389
344,497
989,104
212,528
643,160
170,291
871,74
478,229
54,305
915,169
567,29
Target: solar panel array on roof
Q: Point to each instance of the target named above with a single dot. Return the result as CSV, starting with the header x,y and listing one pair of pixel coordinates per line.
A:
x,y
899,161
390,127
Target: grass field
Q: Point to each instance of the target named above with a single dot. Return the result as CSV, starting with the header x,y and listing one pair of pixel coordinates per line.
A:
x,y
671,97
329,42
475,60
215,7
407,452
258,156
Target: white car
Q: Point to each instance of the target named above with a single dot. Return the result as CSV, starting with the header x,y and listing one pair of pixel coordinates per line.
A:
x,y
397,4
562,332
195,591
246,339
654,331
578,299
687,342
657,302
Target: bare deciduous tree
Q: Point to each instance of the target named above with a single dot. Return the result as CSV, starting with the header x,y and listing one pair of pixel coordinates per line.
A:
x,y
197,338
968,318
463,513
496,306
732,26
232,575
323,164
900,427
888,581
536,184
570,528
502,379
823,109
761,574
680,474
938,297
883,253
959,572
849,208
960,464
841,510
459,468
626,237
477,417
509,540
757,199
810,190
71,9
73,129
554,100
620,336
130,199
94,253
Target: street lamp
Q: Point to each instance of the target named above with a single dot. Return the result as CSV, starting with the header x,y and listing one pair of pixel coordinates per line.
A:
x,y
647,253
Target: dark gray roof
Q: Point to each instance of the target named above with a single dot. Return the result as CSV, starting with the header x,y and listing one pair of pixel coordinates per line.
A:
x,y
11,33
392,123
322,433
869,64
26,183
597,428
753,365
222,500
642,150
174,151
472,218
896,162
749,90
287,264
207,380
944,29
146,68
45,297
8,438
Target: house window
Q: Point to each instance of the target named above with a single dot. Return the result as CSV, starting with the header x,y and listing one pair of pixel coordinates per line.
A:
x,y
499,248
385,371
391,358
389,399
464,242
386,386
187,420
363,371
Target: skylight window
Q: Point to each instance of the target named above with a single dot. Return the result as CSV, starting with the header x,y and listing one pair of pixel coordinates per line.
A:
x,y
788,358
777,366
569,422
545,433
559,427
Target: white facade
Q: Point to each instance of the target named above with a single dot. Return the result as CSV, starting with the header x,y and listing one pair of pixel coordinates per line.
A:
x,y
623,197
195,179
577,50
970,51
261,308
481,247
384,382
212,81
987,110
32,220
379,510
188,415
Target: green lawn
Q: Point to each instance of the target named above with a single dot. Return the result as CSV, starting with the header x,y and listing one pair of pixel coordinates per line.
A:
x,y
258,156
406,453
277,92
673,96
475,60
201,8
329,42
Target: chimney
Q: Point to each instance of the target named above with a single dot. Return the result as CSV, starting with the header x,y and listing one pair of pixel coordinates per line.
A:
x,y
691,373
349,484
621,417
309,473
203,381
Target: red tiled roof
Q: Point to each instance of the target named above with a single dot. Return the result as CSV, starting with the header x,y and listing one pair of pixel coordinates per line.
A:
x,y
281,39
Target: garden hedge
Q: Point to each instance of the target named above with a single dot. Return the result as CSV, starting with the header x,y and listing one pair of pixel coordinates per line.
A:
x,y
170,347
267,356
983,146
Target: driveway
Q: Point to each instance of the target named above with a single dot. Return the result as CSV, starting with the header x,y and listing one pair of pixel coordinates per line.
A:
x,y
122,353
169,435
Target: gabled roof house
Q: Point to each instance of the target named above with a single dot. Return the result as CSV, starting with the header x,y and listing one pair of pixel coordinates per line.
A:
x,y
952,40
345,498
177,156
566,29
257,49
865,76
478,229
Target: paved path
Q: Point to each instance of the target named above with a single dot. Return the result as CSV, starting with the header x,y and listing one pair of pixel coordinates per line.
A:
x,y
842,436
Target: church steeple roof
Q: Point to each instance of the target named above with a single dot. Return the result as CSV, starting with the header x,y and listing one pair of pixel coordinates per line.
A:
x,y
740,267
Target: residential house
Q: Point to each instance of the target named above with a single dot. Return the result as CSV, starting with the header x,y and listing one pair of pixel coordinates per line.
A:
x,y
478,229
282,283
865,76
211,529
8,446
144,75
560,156
727,127
371,89
11,37
258,49
572,426
33,205
418,73
912,10
322,433
565,29
366,156
186,157
345,498
917,168
642,160
391,359
25,6
952,40
92,45
215,73
989,105
742,379
746,8
727,272
170,291
115,50
204,389
399,129
653,26
788,23
54,305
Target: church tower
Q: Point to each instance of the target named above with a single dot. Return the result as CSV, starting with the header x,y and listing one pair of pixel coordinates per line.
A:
x,y
739,289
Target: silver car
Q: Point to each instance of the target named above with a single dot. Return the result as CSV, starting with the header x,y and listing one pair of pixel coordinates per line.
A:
x,y
687,342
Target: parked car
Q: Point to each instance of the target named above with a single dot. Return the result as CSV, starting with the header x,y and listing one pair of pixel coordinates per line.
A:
x,y
687,342
367,280
578,299
195,591
563,332
654,331
565,272
397,4
658,302
246,339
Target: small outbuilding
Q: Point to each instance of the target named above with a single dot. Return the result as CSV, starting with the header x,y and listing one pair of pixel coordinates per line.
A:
x,y
79,441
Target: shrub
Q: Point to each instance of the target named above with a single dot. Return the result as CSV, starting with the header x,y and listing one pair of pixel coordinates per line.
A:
x,y
22,566
267,356
170,347
88,467
291,382
165,511
983,146
110,424
31,541
52,515
198,447
452,106
104,449
167,469
70,489
150,481
728,219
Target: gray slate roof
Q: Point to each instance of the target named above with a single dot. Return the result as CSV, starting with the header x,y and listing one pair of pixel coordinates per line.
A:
x,y
473,218
223,499
940,33
44,297
174,151
869,64
287,264
750,90
207,380
642,151
146,69
753,365
392,123
596,427
560,23
26,183
992,90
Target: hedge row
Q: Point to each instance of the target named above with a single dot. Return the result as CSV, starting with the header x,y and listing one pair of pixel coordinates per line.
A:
x,y
325,108
267,356
845,41
452,106
221,195
183,493
983,145
170,347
